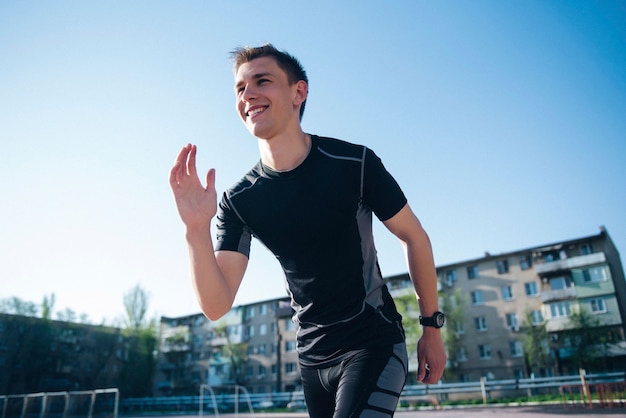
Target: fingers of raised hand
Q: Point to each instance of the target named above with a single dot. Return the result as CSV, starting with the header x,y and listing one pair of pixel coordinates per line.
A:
x,y
184,166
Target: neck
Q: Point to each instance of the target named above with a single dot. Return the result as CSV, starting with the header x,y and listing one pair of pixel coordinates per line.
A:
x,y
285,153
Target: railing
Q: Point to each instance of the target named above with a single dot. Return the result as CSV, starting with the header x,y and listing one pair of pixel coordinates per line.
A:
x,y
484,388
558,294
43,405
570,263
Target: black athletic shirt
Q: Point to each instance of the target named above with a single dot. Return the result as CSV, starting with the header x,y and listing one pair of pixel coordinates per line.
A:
x,y
317,220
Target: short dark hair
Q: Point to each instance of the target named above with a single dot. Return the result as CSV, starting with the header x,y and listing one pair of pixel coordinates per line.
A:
x,y
287,62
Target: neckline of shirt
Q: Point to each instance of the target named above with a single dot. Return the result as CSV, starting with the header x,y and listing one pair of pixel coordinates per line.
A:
x,y
273,174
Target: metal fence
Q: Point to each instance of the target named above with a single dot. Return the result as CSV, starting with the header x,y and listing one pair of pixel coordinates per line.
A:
x,y
99,403
574,389
511,387
213,400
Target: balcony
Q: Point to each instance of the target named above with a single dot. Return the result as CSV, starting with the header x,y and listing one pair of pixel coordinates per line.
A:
x,y
558,294
570,263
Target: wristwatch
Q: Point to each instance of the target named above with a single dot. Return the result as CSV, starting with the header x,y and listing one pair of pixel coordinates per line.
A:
x,y
436,321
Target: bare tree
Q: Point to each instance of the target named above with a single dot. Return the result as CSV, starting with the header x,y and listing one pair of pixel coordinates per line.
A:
x,y
136,303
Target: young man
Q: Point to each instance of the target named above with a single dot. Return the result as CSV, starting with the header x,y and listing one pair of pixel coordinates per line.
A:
x,y
310,200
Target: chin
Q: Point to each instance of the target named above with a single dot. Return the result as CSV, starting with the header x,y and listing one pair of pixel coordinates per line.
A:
x,y
259,133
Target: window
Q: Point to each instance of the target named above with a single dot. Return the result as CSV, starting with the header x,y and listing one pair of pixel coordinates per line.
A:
x,y
290,368
274,369
472,272
518,374
250,312
249,371
261,349
477,297
250,350
263,309
232,330
559,283
461,355
250,331
261,371
451,277
597,305
525,262
289,325
536,317
484,351
464,377
594,274
551,256
586,249
459,327
503,266
531,289
560,309
507,292
512,322
480,323
263,329
516,349
290,346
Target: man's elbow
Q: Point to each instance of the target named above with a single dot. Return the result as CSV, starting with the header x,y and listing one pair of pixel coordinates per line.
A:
x,y
214,312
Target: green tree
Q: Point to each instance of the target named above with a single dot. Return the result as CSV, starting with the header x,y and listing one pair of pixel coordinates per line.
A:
x,y
28,356
141,332
409,309
67,315
586,340
176,349
47,306
454,307
236,353
17,306
536,343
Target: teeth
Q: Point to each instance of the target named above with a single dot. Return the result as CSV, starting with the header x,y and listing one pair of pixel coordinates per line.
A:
x,y
256,111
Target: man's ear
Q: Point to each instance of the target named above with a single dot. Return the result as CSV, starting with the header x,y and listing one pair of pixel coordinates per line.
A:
x,y
302,91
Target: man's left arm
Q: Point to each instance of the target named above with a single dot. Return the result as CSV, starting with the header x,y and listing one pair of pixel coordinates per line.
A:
x,y
431,354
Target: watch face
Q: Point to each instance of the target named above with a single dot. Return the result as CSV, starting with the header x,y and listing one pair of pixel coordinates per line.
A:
x,y
439,319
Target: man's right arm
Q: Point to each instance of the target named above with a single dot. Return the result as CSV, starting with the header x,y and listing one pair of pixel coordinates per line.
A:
x,y
216,276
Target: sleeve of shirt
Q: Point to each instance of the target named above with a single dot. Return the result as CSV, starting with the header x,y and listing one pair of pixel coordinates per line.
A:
x,y
381,192
232,233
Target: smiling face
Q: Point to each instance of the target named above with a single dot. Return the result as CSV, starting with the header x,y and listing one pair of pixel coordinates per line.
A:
x,y
266,103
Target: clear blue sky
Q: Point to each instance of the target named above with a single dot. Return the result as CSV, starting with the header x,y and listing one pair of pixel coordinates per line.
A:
x,y
504,122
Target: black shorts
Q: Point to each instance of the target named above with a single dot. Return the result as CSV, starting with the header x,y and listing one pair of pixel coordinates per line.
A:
x,y
368,383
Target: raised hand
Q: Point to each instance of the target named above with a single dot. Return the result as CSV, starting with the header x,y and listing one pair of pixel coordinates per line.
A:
x,y
196,204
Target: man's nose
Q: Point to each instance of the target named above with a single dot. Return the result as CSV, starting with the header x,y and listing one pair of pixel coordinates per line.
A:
x,y
249,93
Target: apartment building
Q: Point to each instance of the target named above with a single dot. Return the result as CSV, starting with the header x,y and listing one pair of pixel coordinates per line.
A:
x,y
539,286
253,346
272,361
503,295
42,355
